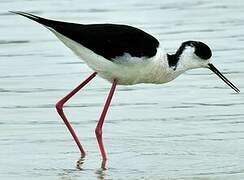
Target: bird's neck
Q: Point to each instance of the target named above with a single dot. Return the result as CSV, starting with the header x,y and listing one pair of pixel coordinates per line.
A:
x,y
165,67
160,72
181,62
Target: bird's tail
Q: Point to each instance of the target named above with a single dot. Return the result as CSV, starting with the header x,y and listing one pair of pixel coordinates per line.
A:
x,y
43,21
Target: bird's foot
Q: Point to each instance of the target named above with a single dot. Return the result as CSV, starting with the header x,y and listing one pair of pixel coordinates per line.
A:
x,y
103,165
80,162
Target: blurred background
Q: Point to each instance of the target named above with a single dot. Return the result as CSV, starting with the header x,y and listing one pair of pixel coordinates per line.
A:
x,y
191,128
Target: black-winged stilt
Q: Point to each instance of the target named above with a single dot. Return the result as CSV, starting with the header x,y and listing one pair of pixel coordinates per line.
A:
x,y
123,55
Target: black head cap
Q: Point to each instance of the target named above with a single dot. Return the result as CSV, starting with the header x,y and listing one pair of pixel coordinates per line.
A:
x,y
201,49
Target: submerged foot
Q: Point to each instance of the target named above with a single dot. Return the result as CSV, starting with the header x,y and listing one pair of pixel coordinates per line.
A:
x,y
103,165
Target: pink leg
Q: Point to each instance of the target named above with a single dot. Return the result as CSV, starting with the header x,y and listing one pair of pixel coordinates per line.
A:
x,y
59,107
98,130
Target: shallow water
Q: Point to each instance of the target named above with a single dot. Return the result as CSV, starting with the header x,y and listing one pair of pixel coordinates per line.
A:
x,y
191,128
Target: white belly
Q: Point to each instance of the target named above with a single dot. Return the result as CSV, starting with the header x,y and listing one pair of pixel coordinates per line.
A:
x,y
126,70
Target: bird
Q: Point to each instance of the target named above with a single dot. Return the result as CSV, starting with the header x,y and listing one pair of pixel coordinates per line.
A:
x,y
123,55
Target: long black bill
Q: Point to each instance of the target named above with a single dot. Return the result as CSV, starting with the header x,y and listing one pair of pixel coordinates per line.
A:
x,y
216,71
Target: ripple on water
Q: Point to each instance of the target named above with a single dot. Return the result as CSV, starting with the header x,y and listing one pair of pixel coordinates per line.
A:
x,y
4,42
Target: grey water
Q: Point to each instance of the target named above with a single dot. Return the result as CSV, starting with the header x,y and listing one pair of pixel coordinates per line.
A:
x,y
190,128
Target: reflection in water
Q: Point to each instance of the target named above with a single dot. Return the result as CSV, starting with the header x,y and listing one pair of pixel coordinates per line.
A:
x,y
100,174
79,171
69,174
73,174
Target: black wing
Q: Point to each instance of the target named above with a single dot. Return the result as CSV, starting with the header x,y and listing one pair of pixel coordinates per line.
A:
x,y
107,40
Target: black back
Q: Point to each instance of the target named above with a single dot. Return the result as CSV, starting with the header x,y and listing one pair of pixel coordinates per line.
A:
x,y
111,40
107,40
